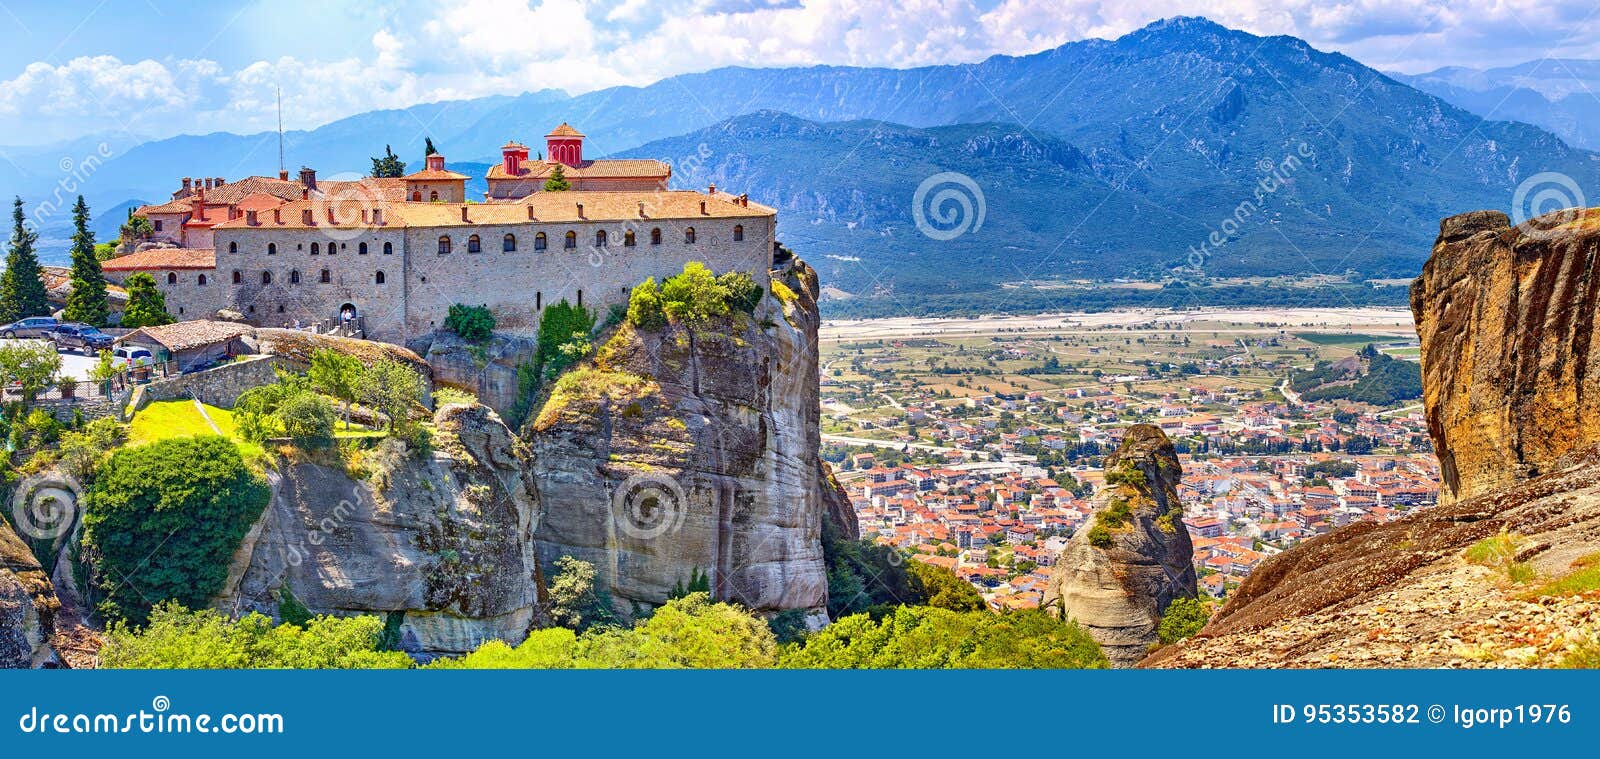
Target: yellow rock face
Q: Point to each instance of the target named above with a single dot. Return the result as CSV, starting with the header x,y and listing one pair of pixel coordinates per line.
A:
x,y
1507,320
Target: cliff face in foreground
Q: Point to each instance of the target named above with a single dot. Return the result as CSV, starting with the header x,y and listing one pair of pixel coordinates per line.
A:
x,y
1508,321
686,452
443,541
1118,574
1506,317
28,605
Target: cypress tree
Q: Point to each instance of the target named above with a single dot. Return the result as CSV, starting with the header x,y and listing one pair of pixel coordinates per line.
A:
x,y
147,307
87,301
22,292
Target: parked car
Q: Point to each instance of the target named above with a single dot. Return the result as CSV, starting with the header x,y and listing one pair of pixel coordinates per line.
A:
x,y
33,326
81,337
129,356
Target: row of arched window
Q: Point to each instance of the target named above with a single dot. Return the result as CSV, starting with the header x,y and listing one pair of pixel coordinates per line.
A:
x,y
508,244
316,249
323,277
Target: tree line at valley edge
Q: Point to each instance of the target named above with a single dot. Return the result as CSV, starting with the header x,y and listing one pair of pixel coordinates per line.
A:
x,y
1137,156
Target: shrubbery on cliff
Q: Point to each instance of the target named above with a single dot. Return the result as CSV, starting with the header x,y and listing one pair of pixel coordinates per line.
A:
x,y
162,522
180,639
695,296
925,637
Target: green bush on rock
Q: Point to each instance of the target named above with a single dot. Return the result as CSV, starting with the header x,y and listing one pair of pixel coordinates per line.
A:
x,y
162,522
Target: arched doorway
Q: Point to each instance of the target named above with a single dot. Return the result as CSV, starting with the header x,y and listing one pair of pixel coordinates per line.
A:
x,y
348,312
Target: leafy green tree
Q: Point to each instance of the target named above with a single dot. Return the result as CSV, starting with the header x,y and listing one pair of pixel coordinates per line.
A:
x,y
688,632
389,166
644,306
177,638
742,292
336,374
699,582
864,576
162,522
427,147
87,301
137,228
473,323
307,419
22,292
564,331
557,181
84,451
147,307
575,600
1183,618
945,590
30,365
925,637
694,296
394,389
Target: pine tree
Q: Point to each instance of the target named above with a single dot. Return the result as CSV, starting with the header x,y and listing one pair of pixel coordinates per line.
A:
x,y
147,307
22,292
389,166
427,149
557,181
87,301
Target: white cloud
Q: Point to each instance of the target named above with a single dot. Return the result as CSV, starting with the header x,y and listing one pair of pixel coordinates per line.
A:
x,y
463,48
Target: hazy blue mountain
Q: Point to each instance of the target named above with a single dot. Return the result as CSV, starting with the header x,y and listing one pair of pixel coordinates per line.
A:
x,y
1557,94
1098,158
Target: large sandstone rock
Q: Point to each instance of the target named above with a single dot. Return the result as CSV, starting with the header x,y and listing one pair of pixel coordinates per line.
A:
x,y
488,370
686,452
1507,318
28,606
446,539
1119,589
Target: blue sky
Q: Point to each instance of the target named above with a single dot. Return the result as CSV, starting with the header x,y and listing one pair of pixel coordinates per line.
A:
x,y
156,68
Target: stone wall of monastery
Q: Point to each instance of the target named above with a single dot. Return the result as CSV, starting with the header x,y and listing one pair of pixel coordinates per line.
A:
x,y
419,283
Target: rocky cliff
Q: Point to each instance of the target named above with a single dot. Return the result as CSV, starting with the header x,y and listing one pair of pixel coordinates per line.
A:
x,y
443,541
28,606
1508,321
1506,318
1118,574
694,450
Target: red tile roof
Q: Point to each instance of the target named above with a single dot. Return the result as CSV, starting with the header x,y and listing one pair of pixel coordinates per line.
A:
x,y
163,259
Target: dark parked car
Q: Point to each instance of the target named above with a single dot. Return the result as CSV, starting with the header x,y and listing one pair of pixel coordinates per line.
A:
x,y
33,326
81,337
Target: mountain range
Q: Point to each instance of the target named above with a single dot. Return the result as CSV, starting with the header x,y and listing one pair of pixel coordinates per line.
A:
x,y
1554,93
1183,145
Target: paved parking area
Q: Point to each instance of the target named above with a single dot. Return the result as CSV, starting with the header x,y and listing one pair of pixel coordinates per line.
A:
x,y
73,364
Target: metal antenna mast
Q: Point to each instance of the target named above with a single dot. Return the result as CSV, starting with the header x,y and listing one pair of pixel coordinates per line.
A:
x,y
280,132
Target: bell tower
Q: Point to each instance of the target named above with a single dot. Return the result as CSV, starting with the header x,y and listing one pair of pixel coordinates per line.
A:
x,y
564,145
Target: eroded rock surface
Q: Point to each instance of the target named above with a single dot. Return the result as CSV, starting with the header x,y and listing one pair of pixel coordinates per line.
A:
x,y
488,370
444,539
1507,318
1118,582
694,451
28,606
